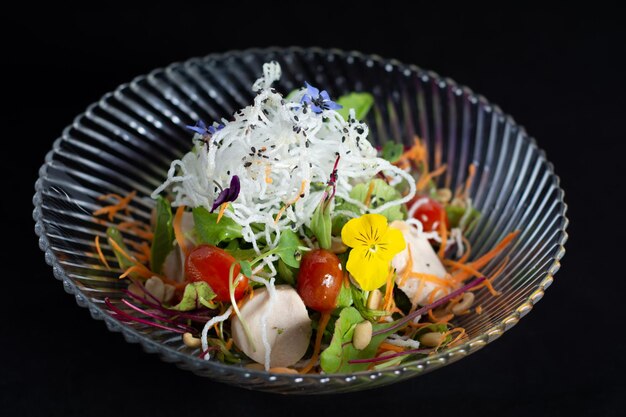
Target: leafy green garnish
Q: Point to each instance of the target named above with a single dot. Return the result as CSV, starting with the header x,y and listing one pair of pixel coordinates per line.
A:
x,y
321,225
455,214
344,299
336,356
246,269
222,354
392,151
114,234
288,248
292,94
359,299
210,231
381,194
286,273
234,249
162,243
360,102
196,295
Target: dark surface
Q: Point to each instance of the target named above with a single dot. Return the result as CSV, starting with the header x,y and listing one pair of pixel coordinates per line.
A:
x,y
558,75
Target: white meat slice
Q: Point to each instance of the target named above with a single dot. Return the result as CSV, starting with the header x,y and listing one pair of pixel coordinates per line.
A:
x,y
425,260
288,327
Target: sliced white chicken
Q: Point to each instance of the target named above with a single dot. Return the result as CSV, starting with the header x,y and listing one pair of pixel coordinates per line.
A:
x,y
425,261
287,324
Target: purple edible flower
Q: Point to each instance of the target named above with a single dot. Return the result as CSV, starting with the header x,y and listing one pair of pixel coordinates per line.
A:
x,y
227,194
202,129
319,101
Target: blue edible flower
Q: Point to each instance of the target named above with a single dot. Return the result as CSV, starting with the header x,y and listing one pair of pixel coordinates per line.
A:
x,y
318,101
202,129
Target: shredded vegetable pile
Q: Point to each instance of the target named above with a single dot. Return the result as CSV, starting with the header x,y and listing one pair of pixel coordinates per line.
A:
x,y
285,241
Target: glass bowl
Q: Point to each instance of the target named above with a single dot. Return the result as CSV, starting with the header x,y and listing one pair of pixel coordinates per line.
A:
x,y
126,141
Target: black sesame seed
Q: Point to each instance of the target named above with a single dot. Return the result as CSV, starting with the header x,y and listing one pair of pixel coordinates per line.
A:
x,y
360,130
296,118
247,164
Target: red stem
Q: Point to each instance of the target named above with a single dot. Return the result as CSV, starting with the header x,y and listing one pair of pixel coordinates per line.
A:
x,y
128,317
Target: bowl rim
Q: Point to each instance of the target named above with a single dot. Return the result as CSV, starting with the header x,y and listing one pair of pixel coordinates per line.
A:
x,y
216,368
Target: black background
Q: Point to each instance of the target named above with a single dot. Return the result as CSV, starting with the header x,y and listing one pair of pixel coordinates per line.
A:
x,y
560,75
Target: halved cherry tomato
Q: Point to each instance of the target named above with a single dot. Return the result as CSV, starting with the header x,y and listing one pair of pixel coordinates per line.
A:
x,y
319,280
429,212
212,265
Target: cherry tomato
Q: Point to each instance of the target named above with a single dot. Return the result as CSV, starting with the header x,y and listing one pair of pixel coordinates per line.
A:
x,y
212,265
319,280
429,212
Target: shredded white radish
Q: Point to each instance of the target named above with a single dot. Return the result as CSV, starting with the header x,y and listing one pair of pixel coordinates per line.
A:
x,y
403,341
207,327
283,154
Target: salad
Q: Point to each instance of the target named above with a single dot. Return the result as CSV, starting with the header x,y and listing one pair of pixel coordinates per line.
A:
x,y
284,241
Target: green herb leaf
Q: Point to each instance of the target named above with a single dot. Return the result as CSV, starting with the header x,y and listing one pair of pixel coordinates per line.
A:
x,y
246,269
360,102
196,295
114,234
162,243
286,273
392,151
336,356
288,248
455,214
381,194
210,231
321,225
344,299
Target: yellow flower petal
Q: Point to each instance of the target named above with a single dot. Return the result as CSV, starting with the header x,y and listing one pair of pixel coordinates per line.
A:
x,y
364,230
368,270
390,243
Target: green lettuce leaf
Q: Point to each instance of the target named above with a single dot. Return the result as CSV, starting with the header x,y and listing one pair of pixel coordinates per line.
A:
x,y
288,248
360,102
114,234
210,231
321,225
392,151
336,356
162,243
196,295
381,194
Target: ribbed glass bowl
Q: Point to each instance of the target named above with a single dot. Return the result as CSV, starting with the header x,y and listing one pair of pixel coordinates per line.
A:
x,y
126,141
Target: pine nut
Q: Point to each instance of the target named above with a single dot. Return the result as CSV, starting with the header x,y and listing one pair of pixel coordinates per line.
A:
x,y
190,341
465,303
374,299
283,370
431,339
362,335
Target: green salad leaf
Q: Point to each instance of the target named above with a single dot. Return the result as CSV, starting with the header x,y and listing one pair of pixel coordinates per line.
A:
x,y
381,194
286,273
336,357
196,295
455,214
360,102
114,234
392,151
210,231
288,248
321,225
246,268
344,299
162,243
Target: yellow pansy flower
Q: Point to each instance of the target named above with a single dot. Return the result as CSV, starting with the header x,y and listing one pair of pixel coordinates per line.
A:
x,y
374,244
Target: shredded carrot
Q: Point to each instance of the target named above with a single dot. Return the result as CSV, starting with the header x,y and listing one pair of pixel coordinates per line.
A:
x,y
434,279
121,251
346,279
122,204
143,248
368,196
282,210
178,231
427,176
469,179
417,295
138,269
388,290
100,254
479,310
388,346
321,326
461,276
461,332
229,344
140,229
223,208
443,231
251,294
431,299
408,268
217,330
